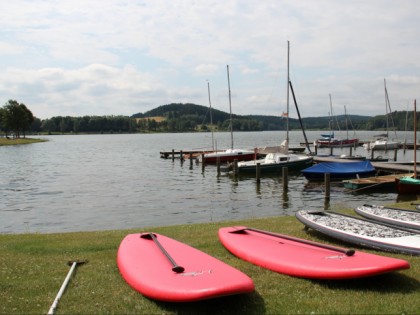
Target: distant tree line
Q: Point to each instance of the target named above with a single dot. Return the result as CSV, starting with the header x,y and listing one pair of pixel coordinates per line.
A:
x,y
88,124
17,119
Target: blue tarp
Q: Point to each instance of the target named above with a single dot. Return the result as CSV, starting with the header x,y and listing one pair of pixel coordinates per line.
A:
x,y
339,170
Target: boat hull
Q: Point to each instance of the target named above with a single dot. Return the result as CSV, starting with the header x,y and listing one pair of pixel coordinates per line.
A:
x,y
337,143
297,165
377,182
407,188
224,157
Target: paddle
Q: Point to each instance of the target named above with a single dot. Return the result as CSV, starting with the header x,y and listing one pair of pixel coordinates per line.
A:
x,y
348,252
73,265
175,267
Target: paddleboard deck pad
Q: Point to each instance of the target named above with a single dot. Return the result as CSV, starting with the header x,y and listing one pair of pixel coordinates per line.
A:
x,y
302,258
362,232
395,216
146,268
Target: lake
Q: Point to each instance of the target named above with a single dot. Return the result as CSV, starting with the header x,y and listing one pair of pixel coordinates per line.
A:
x,y
107,182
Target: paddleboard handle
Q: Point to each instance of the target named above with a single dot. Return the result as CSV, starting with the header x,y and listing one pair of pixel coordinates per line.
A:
x,y
175,267
347,252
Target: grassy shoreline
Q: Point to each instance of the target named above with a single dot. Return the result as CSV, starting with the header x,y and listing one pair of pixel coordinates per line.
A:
x,y
13,141
33,267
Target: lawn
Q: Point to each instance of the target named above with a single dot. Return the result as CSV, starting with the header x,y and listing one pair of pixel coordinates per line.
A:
x,y
33,267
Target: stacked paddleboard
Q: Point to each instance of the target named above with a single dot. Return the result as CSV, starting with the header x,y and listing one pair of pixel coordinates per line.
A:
x,y
395,216
303,258
164,269
363,232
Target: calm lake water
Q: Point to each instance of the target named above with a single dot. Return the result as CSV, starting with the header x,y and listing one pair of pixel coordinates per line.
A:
x,y
106,182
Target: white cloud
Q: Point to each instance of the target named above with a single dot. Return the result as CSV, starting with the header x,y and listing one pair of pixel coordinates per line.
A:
x,y
123,57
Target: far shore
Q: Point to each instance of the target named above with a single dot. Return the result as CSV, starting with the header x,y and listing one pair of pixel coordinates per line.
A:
x,y
15,141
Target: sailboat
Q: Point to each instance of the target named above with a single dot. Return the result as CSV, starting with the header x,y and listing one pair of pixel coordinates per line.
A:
x,y
383,143
276,161
328,140
228,155
410,185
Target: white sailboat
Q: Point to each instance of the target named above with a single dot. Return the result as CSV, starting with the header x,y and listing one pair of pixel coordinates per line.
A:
x,y
228,155
276,161
384,143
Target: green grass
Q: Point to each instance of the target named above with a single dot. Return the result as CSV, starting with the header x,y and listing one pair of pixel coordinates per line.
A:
x,y
10,141
33,267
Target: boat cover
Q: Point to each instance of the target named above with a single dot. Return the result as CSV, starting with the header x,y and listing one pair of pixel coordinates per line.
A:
x,y
340,169
410,180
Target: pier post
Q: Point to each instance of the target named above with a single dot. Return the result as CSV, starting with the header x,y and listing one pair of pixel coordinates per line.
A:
x,y
173,155
218,165
258,172
203,162
351,151
327,185
181,156
235,167
191,161
285,172
395,155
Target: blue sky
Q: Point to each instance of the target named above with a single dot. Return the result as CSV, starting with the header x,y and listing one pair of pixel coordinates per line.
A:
x,y
121,57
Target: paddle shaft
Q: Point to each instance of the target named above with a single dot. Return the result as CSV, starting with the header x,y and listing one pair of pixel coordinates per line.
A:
x,y
175,267
348,252
64,285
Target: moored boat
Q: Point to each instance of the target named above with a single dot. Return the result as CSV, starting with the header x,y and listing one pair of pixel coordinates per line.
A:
x,y
407,185
274,162
231,154
384,181
228,155
339,170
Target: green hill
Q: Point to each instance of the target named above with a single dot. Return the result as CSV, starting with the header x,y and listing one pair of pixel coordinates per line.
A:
x,y
198,116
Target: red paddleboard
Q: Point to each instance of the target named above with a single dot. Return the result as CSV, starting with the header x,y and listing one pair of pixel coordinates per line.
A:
x,y
303,258
164,269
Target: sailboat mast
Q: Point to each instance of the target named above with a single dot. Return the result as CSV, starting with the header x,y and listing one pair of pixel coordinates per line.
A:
x,y
211,117
287,93
331,120
347,127
386,108
230,109
415,139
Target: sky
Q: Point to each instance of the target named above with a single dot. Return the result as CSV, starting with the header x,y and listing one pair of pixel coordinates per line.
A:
x,y
122,57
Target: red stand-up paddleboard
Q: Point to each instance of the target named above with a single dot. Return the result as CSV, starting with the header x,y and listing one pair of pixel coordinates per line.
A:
x,y
303,258
164,269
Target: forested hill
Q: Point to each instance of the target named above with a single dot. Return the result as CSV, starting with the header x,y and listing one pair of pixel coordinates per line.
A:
x,y
189,116
193,118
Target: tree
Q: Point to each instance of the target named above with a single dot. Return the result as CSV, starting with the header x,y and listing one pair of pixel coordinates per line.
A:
x,y
16,117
